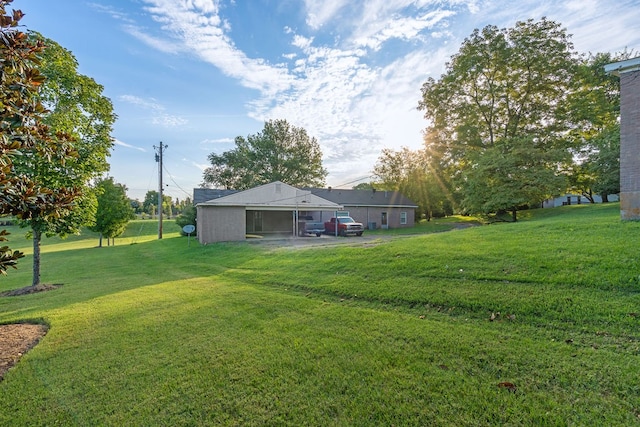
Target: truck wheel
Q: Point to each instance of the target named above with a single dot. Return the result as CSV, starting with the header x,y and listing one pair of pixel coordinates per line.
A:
x,y
317,234
360,234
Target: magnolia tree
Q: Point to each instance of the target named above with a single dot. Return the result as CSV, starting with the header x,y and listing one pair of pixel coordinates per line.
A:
x,y
75,106
25,136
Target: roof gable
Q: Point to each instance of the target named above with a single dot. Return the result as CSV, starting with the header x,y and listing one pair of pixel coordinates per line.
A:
x,y
274,195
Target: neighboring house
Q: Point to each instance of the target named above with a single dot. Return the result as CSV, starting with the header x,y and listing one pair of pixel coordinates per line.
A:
x,y
375,209
268,209
230,215
629,73
574,199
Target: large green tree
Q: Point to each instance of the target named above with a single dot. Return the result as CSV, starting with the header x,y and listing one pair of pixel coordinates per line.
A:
x,y
596,111
412,173
23,134
75,106
114,210
498,116
281,152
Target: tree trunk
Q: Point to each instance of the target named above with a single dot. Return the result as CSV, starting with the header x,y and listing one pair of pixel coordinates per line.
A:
x,y
513,215
100,241
37,236
589,196
605,198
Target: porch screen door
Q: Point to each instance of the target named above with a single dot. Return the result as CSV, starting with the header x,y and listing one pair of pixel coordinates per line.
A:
x,y
257,221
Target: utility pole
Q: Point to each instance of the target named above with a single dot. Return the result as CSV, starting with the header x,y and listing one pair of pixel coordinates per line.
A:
x,y
159,161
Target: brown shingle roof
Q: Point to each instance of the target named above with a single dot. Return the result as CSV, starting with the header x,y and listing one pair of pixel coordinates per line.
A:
x,y
364,197
201,195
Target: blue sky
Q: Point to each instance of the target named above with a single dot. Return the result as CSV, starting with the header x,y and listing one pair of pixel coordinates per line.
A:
x,y
194,74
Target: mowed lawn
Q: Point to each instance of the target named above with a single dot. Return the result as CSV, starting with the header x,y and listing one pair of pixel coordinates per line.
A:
x,y
392,332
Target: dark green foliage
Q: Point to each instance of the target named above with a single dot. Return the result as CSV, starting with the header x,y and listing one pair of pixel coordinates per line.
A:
x,y
503,98
595,106
187,217
280,152
114,210
8,257
605,161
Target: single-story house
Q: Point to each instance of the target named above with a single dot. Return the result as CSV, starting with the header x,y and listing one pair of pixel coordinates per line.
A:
x,y
274,208
375,209
575,199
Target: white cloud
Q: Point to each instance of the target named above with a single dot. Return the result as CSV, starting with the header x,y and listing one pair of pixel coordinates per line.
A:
x,y
320,12
374,35
167,120
201,166
156,43
197,26
149,104
124,144
327,86
159,114
111,11
218,141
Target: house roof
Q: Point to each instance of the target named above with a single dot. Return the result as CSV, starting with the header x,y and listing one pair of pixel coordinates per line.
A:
x,y
625,66
364,198
273,196
201,195
342,197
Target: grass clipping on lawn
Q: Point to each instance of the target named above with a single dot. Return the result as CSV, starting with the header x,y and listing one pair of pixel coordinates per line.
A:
x,y
16,339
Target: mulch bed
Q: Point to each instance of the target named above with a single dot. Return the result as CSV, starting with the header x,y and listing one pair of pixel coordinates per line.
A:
x,y
30,290
16,339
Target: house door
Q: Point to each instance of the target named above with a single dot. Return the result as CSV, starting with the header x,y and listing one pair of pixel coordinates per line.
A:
x,y
383,221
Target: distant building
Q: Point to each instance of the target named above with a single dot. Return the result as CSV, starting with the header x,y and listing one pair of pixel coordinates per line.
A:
x,y
574,199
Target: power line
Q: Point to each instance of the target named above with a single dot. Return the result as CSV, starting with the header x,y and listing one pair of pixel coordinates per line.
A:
x,y
175,183
356,180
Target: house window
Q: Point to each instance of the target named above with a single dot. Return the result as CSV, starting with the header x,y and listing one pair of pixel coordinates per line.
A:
x,y
403,218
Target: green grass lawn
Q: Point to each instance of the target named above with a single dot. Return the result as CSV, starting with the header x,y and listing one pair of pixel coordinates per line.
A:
x,y
159,332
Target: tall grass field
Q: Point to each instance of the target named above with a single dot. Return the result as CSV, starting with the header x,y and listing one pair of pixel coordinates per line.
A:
x,y
528,323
